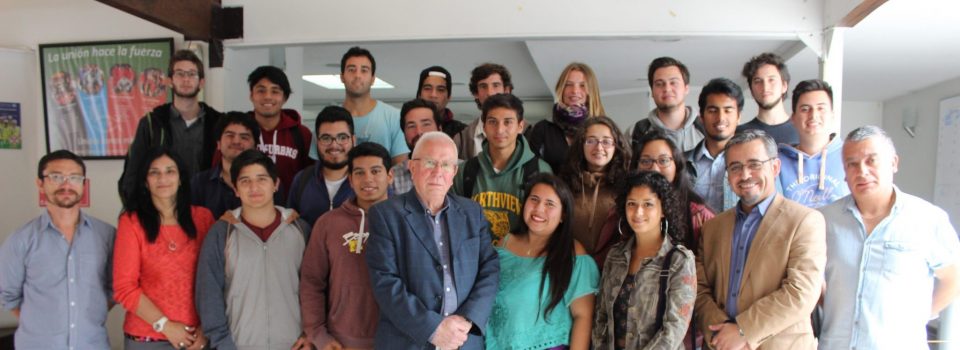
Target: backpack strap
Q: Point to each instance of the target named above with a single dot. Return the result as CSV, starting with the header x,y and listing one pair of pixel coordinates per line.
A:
x,y
662,291
470,171
301,185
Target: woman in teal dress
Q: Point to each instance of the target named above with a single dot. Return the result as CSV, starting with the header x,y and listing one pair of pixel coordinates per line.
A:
x,y
547,280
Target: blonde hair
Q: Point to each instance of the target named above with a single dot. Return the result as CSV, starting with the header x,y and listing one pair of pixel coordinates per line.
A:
x,y
593,87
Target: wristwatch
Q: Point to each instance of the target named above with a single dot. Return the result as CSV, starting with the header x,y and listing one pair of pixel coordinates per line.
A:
x,y
158,326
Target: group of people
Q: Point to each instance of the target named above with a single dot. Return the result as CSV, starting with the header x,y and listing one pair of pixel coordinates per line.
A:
x,y
415,230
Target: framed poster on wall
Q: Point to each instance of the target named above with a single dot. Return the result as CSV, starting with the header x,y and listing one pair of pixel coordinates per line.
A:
x,y
95,93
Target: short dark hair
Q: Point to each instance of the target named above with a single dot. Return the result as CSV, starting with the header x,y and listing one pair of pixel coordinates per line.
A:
x,y
252,157
721,86
58,155
811,86
274,75
238,118
484,71
185,55
419,103
662,62
508,101
750,68
333,114
368,149
446,77
355,52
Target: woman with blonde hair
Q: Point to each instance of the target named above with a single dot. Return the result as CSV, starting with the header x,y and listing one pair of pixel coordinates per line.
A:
x,y
578,98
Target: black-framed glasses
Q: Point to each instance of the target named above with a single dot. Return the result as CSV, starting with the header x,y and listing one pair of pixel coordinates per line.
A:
x,y
430,164
753,165
341,138
593,141
663,162
59,179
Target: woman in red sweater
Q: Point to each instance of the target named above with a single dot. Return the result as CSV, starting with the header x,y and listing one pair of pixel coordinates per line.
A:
x,y
155,257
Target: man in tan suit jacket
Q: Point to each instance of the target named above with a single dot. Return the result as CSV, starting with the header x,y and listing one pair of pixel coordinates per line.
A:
x,y
770,250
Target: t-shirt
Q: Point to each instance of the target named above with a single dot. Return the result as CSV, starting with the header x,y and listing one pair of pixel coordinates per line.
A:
x,y
781,133
334,185
381,125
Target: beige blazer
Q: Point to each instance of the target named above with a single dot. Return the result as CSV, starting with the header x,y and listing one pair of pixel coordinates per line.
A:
x,y
781,281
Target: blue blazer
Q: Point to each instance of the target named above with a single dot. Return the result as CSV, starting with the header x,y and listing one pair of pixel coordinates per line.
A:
x,y
407,277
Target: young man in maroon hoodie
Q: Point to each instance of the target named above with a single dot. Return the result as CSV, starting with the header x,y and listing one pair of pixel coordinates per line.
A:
x,y
282,137
333,277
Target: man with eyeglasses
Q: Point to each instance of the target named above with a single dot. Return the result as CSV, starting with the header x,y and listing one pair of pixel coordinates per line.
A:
x,y
433,270
417,117
721,102
55,271
760,265
310,193
496,177
186,125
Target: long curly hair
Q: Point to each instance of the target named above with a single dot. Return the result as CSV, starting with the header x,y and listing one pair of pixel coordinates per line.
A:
x,y
571,171
670,205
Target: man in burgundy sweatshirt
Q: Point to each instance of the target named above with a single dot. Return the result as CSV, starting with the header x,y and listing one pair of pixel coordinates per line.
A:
x,y
336,299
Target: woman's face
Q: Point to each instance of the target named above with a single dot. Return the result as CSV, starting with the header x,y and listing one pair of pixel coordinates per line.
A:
x,y
598,147
163,178
575,89
657,156
644,211
543,211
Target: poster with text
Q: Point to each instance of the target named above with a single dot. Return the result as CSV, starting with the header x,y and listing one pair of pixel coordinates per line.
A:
x,y
95,93
10,137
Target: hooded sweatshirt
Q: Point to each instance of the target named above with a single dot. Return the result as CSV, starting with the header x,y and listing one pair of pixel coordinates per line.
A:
x,y
592,203
335,293
686,138
281,145
813,180
500,194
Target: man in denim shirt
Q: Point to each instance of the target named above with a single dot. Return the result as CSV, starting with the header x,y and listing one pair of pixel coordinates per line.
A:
x,y
55,271
892,257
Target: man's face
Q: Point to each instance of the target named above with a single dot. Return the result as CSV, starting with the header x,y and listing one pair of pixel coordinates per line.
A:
x,y
751,185
669,90
814,114
370,179
255,187
434,89
186,79
768,86
67,194
720,117
490,86
267,98
869,165
235,139
502,127
433,184
417,122
333,142
357,76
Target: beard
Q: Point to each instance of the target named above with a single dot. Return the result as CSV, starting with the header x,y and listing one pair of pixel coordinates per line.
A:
x,y
769,105
66,203
190,94
333,166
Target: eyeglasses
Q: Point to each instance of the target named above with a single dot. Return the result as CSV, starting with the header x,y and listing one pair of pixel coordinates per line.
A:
x,y
592,141
663,162
59,179
327,139
430,164
186,74
753,165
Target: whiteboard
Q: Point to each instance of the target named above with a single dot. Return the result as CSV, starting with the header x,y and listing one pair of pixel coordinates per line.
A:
x,y
946,190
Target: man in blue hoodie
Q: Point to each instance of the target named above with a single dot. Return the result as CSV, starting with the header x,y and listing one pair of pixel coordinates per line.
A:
x,y
812,170
321,187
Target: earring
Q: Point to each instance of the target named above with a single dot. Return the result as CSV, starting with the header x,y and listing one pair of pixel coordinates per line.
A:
x,y
620,226
664,226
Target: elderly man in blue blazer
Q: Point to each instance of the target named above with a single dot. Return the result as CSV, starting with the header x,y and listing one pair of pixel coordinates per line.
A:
x,y
433,269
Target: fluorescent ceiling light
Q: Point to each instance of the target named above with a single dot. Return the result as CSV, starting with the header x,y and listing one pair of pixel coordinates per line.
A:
x,y
332,82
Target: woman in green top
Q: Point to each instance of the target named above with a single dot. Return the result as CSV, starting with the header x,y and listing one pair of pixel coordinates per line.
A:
x,y
547,280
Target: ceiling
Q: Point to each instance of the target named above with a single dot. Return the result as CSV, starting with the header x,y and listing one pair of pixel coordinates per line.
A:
x,y
900,47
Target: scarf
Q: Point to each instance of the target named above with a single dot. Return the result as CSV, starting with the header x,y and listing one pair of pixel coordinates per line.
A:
x,y
569,118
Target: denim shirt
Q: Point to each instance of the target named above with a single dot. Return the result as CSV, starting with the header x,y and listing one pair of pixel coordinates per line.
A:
x,y
63,289
880,285
744,231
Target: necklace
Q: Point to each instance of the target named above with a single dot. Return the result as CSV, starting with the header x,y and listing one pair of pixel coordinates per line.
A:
x,y
172,246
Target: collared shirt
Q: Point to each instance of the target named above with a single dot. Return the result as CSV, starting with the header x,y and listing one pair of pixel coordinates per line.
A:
x,y
209,190
402,180
189,144
744,231
62,288
880,285
711,176
441,236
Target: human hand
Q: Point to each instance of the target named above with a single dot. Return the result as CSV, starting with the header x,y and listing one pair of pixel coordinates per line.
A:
x,y
333,345
302,343
178,334
201,340
727,337
451,333
229,218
